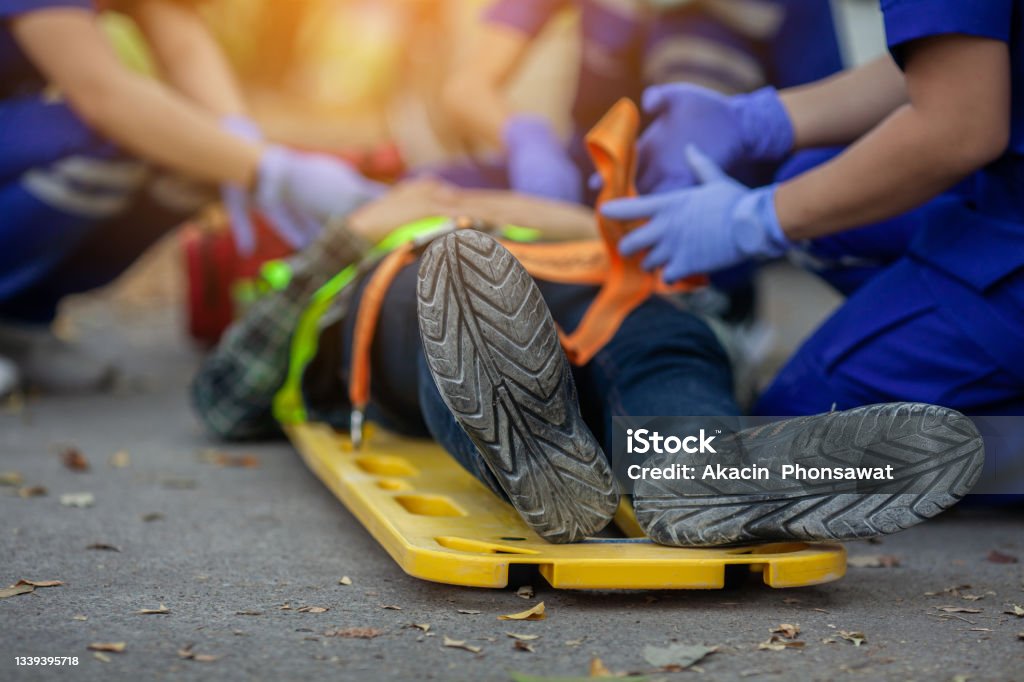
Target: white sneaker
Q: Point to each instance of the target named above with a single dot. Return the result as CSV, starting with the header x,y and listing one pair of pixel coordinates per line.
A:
x,y
50,364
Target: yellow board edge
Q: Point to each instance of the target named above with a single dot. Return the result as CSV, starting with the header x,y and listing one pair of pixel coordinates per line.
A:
x,y
441,524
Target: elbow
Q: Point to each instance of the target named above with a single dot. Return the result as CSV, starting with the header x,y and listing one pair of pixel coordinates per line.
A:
x,y
980,143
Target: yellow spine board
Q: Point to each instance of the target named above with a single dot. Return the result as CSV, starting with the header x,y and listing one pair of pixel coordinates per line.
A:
x,y
441,524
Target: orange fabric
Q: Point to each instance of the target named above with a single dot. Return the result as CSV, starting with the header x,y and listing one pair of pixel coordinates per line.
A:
x,y
366,322
612,146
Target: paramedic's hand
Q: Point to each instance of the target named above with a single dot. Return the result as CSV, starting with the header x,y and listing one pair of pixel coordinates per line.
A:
x,y
301,192
235,198
751,127
538,163
295,227
716,225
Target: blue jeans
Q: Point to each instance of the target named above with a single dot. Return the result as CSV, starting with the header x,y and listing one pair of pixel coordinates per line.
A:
x,y
664,361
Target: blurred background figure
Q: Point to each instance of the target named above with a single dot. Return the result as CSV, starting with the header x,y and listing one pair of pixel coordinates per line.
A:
x,y
731,46
106,143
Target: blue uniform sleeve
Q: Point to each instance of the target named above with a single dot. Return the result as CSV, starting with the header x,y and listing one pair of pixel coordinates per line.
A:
x,y
13,8
909,20
528,16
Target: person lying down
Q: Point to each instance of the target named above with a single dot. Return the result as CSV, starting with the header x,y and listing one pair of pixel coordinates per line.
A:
x,y
466,350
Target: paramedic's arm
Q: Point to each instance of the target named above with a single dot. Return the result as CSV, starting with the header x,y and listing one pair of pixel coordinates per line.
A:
x,y
956,120
474,95
840,109
138,113
190,59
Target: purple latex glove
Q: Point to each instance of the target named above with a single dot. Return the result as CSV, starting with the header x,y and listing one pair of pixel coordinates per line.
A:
x,y
538,162
234,197
307,190
716,225
751,127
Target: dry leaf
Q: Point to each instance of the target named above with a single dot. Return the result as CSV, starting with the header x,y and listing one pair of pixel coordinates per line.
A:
x,y
391,607
248,613
526,592
791,600
598,668
32,491
997,557
1015,610
241,461
101,657
468,612
225,459
522,646
103,547
425,627
285,607
525,638
460,644
80,500
345,580
40,583
15,590
112,647
857,638
573,642
776,643
312,609
972,597
189,655
787,630
11,478
675,657
159,611
120,459
537,612
874,561
74,459
152,516
357,633
957,609
79,617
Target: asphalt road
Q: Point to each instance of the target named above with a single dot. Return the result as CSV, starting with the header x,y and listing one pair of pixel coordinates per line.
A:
x,y
225,548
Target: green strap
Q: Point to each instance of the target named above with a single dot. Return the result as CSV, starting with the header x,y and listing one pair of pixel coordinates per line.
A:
x,y
289,406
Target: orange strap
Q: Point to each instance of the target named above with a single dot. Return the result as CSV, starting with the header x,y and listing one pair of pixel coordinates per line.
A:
x,y
612,146
366,322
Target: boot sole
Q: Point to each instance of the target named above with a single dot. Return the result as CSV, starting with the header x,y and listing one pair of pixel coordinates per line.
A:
x,y
494,353
937,453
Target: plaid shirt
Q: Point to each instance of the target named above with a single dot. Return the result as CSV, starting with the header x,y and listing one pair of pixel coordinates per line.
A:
x,y
234,389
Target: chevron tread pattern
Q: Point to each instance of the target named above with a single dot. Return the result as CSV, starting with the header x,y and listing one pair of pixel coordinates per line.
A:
x,y
937,455
494,353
